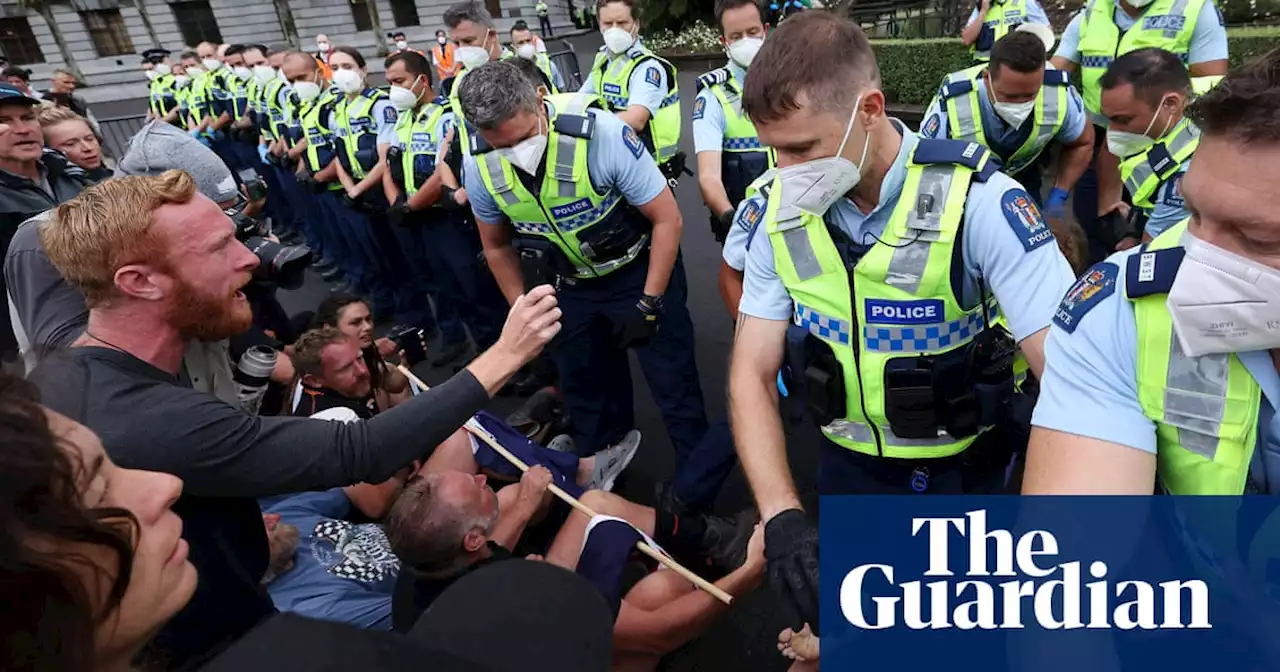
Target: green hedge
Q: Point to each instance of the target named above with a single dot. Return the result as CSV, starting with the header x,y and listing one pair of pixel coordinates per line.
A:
x,y
912,69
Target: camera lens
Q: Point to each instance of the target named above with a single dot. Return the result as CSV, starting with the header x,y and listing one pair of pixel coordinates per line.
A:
x,y
285,265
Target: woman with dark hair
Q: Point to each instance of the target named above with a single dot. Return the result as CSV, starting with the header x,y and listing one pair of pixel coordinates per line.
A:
x,y
352,316
92,561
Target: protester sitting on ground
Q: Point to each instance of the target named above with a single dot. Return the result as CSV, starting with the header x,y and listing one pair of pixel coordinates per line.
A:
x,y
448,524
92,560
159,265
353,316
70,134
337,385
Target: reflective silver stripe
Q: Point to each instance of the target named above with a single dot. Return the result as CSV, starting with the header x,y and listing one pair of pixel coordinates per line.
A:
x,y
1047,129
1195,398
498,178
566,148
1144,171
861,433
924,224
966,111
801,252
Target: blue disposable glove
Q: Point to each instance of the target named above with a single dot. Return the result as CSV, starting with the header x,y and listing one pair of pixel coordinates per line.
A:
x,y
1056,205
262,153
195,133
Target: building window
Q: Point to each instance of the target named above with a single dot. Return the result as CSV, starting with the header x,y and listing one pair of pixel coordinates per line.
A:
x,y
106,29
405,13
360,12
18,43
196,22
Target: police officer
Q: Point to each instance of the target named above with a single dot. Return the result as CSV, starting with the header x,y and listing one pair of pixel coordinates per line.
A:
x,y
446,231
471,28
605,228
990,21
219,91
1143,96
242,132
1191,29
522,42
637,85
1138,345
198,110
1016,107
730,156
899,261
544,19
162,99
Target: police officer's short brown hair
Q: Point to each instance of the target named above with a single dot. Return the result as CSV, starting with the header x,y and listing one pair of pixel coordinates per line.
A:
x,y
1245,106
825,57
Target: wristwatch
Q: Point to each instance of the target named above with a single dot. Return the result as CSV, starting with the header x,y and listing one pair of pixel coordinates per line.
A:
x,y
652,301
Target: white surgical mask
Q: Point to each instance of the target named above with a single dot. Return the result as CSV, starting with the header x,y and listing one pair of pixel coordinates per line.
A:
x,y
401,44
403,99
211,64
1012,113
527,155
744,51
1223,302
527,51
1124,143
618,40
323,47
472,57
242,72
181,80
195,71
307,91
1140,3
348,81
150,75
280,74
264,73
814,186
442,40
163,69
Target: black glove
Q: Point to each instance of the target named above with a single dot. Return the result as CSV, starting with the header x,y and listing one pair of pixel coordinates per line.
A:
x,y
449,198
791,562
638,326
720,225
310,183
398,214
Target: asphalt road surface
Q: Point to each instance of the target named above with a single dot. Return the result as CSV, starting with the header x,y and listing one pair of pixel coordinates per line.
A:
x,y
746,638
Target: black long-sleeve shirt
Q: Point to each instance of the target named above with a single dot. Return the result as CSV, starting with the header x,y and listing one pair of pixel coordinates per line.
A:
x,y
149,419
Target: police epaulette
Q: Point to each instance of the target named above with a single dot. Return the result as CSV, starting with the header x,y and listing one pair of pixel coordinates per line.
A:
x,y
1152,271
441,100
953,89
576,125
478,143
717,76
969,154
1054,77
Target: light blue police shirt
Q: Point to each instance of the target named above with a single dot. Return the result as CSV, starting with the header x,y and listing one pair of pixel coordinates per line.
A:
x,y
708,115
556,77
1090,377
343,571
1001,137
616,159
1035,14
1169,207
438,132
1004,243
1208,40
647,85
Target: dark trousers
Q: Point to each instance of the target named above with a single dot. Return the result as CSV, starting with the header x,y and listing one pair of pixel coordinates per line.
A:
x,y
544,22
1084,202
700,474
377,275
460,287
979,470
595,373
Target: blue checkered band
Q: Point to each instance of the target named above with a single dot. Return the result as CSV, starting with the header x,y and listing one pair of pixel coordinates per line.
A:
x,y
532,227
591,216
616,102
826,328
670,100
1095,62
926,337
742,144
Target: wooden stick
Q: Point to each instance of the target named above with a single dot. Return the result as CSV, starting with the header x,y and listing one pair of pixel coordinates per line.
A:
x,y
480,433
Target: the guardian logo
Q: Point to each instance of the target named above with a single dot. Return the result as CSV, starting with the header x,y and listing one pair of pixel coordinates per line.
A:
x,y
1039,591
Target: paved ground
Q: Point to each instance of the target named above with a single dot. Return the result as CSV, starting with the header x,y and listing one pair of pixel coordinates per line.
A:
x,y
745,639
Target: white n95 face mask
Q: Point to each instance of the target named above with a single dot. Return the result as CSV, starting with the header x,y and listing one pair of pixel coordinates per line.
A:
x,y
1124,143
401,44
348,81
1223,302
617,40
527,51
307,91
814,186
527,155
150,75
181,80
472,57
402,98
242,72
744,51
163,69
211,64
195,71
264,73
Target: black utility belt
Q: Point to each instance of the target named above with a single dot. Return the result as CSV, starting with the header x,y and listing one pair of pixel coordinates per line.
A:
x,y
960,391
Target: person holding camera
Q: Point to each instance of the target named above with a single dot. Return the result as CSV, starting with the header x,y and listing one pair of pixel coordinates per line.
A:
x,y
159,265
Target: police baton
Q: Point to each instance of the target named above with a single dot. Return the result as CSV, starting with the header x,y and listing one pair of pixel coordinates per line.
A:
x,y
662,558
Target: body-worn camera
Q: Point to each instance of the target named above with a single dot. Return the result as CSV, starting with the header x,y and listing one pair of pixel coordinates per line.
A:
x,y
284,265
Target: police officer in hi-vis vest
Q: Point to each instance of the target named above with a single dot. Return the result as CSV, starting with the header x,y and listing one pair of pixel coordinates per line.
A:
x,y
730,156
902,285
637,85
162,94
990,21
522,42
565,193
1143,96
1098,34
1016,107
471,28
1175,401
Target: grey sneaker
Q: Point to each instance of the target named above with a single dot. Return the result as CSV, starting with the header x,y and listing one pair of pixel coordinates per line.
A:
x,y
611,462
563,444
